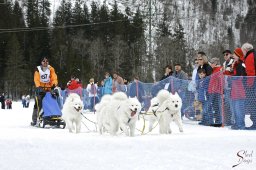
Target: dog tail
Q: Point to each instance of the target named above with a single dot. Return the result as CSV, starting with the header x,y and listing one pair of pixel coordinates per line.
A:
x,y
119,96
163,95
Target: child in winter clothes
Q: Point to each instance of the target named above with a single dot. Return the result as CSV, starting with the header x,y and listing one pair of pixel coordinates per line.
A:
x,y
92,90
238,95
202,88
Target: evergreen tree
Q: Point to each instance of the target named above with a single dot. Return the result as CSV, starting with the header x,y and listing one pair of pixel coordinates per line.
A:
x,y
117,27
104,27
77,16
94,19
179,46
61,41
14,73
44,14
5,22
138,45
32,50
86,20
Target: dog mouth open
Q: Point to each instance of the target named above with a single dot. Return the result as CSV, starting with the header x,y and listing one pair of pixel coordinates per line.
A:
x,y
77,109
133,113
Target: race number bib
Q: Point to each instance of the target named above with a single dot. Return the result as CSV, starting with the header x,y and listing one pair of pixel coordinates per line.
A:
x,y
44,75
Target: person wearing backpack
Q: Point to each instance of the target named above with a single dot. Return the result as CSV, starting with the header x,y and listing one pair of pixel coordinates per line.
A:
x,y
92,90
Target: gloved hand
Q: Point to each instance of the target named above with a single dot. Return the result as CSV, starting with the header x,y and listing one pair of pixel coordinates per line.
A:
x,y
55,93
39,90
53,87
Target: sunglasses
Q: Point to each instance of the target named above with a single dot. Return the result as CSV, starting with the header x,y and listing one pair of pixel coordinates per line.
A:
x,y
226,54
45,61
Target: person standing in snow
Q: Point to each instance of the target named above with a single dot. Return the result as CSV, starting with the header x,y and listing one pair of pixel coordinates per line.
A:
x,y
117,83
45,79
249,61
2,100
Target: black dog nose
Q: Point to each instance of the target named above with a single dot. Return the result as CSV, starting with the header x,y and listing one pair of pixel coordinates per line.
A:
x,y
135,109
176,105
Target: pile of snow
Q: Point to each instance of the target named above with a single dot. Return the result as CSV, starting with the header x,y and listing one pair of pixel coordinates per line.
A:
x,y
29,148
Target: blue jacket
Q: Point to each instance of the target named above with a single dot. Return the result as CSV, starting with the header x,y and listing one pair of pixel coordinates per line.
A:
x,y
107,87
202,87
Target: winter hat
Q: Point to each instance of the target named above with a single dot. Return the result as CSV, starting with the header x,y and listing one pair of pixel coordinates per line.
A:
x,y
239,53
227,51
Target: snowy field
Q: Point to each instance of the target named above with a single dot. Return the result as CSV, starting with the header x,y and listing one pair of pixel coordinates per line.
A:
x,y
23,147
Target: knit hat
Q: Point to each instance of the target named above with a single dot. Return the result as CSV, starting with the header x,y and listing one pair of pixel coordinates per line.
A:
x,y
239,53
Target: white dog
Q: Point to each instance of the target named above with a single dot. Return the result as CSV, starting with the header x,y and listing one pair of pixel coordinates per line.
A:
x,y
101,111
170,110
72,109
151,115
121,112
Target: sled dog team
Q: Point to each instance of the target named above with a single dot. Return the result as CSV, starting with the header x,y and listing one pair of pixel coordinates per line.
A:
x,y
118,112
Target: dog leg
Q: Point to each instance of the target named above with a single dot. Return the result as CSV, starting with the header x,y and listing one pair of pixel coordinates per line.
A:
x,y
69,125
78,126
132,129
150,126
124,128
169,130
178,121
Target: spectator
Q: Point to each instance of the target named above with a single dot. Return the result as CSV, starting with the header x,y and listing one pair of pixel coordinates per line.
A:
x,y
107,85
192,84
27,101
227,71
249,61
215,91
100,89
86,99
166,82
238,94
125,88
181,86
179,73
2,100
203,63
73,83
74,86
92,90
168,72
202,88
227,65
136,89
117,83
9,103
23,101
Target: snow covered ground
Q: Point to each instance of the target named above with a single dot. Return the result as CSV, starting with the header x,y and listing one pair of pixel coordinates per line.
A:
x,y
23,147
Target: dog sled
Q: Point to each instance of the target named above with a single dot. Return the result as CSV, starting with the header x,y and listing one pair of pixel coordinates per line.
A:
x,y
50,114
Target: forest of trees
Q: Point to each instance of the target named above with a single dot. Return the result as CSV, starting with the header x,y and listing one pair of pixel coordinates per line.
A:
x,y
81,42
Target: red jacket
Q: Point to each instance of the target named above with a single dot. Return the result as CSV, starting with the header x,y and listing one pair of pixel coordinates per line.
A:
x,y
216,81
74,85
250,67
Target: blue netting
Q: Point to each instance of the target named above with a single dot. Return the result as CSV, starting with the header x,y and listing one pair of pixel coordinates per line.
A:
x,y
214,100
